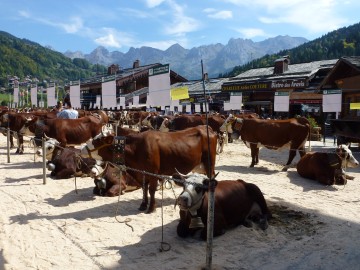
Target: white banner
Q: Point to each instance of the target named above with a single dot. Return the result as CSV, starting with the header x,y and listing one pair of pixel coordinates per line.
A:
x,y
16,95
97,104
281,101
197,108
188,108
108,92
235,102
135,100
33,95
332,100
75,95
158,99
51,99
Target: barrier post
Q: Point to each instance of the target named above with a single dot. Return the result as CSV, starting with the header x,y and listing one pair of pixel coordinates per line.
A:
x,y
44,160
8,144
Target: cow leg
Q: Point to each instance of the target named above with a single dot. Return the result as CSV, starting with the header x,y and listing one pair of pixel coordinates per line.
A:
x,y
20,149
253,149
257,155
12,141
65,173
302,151
292,154
152,190
144,202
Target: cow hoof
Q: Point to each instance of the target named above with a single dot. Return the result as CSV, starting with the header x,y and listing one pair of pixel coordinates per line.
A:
x,y
285,169
142,207
348,177
263,224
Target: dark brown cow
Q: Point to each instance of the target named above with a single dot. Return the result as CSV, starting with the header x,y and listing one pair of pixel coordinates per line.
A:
x,y
20,125
272,134
111,175
236,203
159,153
67,164
327,168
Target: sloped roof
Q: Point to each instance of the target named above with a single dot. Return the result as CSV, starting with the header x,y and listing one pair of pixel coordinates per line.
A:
x,y
294,71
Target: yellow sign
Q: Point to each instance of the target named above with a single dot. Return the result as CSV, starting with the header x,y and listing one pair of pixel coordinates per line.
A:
x,y
179,93
354,106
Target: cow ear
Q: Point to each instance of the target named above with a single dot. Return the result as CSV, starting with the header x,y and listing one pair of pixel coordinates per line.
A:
x,y
340,152
178,179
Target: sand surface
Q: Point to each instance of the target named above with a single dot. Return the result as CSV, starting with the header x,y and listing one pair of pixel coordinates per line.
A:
x,y
51,226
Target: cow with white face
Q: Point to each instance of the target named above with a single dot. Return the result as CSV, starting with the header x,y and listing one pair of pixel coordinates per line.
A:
x,y
236,203
347,159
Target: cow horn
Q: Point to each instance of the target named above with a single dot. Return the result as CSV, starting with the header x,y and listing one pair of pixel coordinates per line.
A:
x,y
182,175
46,137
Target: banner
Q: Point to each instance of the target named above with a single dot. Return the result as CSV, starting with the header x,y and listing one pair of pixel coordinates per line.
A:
x,y
159,86
235,102
332,100
75,94
50,92
281,101
354,106
33,95
108,92
179,93
16,94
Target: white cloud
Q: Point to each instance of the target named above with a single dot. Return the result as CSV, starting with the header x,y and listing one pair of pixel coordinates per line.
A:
x,y
251,32
73,26
223,14
181,23
109,37
153,3
314,16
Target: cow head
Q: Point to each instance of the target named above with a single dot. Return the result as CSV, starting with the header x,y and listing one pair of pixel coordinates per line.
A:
x,y
90,149
50,145
348,160
147,121
195,185
232,125
165,125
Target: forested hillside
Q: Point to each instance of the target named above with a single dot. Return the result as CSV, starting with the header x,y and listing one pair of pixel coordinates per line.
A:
x,y
21,57
342,42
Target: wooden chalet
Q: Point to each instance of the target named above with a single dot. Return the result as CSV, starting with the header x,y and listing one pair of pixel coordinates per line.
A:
x,y
345,76
258,86
128,82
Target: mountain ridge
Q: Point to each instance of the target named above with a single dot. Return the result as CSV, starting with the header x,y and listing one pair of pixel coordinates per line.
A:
x,y
217,58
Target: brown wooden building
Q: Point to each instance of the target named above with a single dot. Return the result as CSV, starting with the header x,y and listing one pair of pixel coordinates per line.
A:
x,y
258,86
127,81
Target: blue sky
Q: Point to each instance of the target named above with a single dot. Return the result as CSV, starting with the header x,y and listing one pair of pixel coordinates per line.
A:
x,y
83,25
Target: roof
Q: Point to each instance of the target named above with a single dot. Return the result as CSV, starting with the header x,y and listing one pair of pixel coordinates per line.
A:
x,y
197,87
346,66
294,71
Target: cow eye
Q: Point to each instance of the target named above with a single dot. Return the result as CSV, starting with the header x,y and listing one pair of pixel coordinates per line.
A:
x,y
198,189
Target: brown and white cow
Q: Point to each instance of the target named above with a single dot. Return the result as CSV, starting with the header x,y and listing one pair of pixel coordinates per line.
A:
x,y
20,125
73,131
327,168
236,203
159,153
272,134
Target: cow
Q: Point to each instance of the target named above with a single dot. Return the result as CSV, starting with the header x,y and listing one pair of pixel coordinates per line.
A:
x,y
72,131
154,152
272,134
181,122
111,175
236,203
67,163
327,168
20,125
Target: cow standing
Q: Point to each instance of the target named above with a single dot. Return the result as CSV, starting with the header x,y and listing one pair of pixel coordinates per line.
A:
x,y
236,203
272,134
159,153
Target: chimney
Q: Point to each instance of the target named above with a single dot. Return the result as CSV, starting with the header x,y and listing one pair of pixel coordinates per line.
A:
x,y
282,64
206,77
136,63
113,69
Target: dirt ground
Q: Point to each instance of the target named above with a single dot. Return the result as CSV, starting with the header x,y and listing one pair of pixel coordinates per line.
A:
x,y
54,226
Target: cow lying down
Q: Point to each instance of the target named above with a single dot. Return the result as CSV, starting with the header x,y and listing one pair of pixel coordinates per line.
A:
x,y
66,162
236,203
327,168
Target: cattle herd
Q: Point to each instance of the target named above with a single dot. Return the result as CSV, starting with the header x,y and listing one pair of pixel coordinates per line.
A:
x,y
181,148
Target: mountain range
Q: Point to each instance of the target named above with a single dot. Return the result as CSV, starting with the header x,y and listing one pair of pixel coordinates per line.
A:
x,y
217,58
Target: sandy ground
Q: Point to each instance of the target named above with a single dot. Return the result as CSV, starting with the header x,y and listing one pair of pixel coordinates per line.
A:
x,y
50,226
